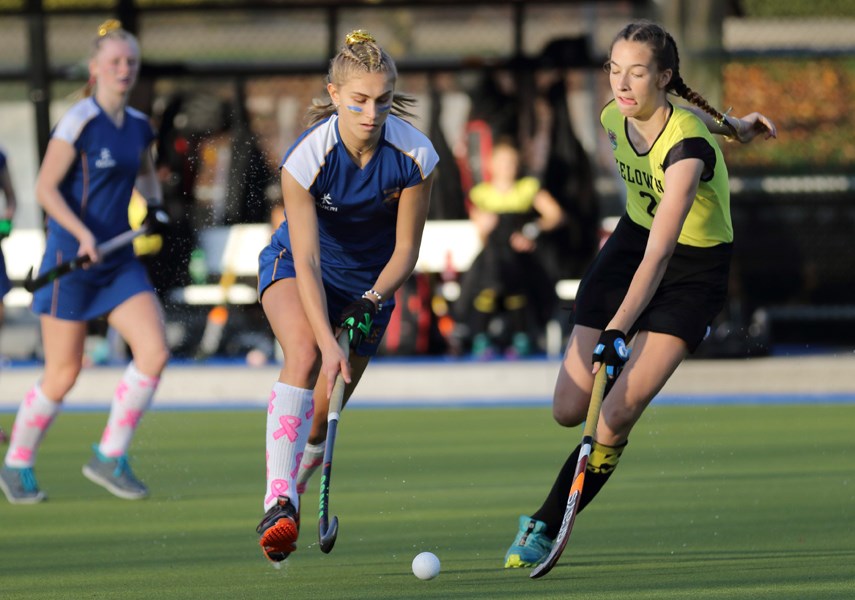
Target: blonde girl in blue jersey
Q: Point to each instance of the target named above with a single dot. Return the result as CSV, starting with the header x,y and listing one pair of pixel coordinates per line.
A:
x,y
356,187
98,152
662,276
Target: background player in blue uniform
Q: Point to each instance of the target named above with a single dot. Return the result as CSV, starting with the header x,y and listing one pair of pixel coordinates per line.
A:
x,y
98,152
661,277
356,187
6,217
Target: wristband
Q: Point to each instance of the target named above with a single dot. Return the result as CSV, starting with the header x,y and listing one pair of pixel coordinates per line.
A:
x,y
376,295
530,230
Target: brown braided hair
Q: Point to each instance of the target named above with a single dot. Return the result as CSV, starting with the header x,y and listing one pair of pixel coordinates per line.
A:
x,y
667,57
360,54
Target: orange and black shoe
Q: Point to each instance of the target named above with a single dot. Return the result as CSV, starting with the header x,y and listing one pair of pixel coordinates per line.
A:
x,y
279,530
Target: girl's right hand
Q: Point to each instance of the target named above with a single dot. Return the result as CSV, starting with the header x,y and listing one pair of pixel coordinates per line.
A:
x,y
333,362
88,247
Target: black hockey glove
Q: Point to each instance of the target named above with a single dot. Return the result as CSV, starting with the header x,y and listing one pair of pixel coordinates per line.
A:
x,y
611,351
357,318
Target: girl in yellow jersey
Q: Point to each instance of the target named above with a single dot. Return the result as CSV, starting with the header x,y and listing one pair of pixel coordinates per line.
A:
x,y
662,276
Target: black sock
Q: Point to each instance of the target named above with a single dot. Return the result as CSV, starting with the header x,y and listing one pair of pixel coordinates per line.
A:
x,y
551,511
601,464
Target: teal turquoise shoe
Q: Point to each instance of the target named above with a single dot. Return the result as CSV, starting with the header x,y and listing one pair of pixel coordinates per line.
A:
x,y
530,547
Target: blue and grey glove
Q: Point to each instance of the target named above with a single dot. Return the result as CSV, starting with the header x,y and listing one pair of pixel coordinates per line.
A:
x,y
611,351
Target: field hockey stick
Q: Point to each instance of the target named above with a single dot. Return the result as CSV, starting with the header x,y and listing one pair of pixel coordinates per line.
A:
x,y
578,477
120,241
328,529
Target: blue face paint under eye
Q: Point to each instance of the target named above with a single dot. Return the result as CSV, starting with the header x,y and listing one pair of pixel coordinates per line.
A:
x,y
355,109
384,108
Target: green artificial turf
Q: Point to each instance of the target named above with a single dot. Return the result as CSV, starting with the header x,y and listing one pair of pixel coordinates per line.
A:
x,y
723,502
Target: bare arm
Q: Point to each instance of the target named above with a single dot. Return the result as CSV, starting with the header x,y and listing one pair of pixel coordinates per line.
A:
x,y
302,221
551,213
484,222
412,214
747,127
57,161
681,184
9,193
147,182
550,216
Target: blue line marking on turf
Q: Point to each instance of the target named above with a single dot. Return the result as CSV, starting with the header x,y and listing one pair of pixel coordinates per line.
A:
x,y
764,399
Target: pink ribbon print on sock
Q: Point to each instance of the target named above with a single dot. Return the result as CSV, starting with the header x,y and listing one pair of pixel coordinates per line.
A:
x,y
23,454
296,468
289,427
278,487
39,422
131,418
121,391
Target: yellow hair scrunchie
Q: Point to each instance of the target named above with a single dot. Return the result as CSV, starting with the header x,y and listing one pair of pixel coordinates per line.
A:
x,y
108,26
359,36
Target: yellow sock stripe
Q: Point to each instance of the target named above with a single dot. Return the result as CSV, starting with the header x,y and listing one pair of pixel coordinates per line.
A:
x,y
516,302
485,302
604,458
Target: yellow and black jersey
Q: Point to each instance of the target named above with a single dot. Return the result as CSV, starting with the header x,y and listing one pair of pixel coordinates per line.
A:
x,y
518,199
684,136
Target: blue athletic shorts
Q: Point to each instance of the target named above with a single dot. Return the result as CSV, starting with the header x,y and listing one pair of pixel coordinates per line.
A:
x,y
86,294
275,264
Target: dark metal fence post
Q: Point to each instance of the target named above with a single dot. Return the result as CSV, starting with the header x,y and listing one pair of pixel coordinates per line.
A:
x,y
39,76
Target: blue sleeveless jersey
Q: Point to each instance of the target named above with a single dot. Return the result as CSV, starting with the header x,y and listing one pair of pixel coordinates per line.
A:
x,y
98,189
99,183
357,208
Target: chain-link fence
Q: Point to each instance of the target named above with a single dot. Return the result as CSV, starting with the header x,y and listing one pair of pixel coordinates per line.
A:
x,y
227,85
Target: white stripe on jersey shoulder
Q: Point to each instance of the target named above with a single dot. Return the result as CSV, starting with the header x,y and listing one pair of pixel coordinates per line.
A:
x,y
137,114
408,139
309,155
73,122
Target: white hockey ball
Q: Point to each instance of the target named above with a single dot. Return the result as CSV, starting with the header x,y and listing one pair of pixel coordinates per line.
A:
x,y
426,565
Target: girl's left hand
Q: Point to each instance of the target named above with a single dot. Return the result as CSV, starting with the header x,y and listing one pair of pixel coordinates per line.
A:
x,y
752,125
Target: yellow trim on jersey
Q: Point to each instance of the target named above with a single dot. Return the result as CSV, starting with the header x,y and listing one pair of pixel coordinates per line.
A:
x,y
519,199
708,222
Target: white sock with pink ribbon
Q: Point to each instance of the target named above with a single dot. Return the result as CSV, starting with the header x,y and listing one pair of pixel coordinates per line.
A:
x,y
34,417
132,398
289,420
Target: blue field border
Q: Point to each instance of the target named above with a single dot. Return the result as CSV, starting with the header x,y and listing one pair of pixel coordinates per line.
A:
x,y
668,400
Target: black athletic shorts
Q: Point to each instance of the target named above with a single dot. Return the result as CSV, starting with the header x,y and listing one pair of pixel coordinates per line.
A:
x,y
691,294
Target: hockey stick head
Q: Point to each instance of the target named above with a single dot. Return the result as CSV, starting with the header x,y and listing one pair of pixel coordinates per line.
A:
x,y
29,282
327,538
574,500
561,539
328,527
